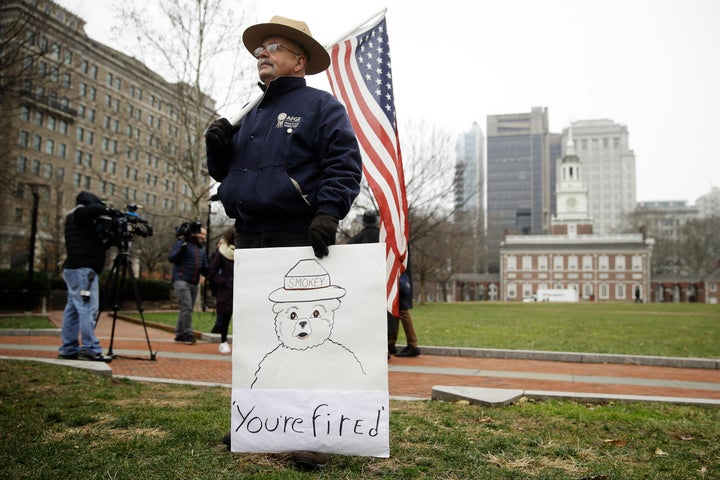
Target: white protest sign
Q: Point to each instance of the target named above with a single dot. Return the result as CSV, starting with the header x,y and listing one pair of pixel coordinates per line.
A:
x,y
310,351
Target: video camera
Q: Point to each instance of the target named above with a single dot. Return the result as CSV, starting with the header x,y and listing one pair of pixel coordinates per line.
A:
x,y
117,228
187,229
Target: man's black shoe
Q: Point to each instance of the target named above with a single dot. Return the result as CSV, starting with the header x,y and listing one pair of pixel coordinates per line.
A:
x,y
309,461
409,352
226,439
392,349
71,356
94,357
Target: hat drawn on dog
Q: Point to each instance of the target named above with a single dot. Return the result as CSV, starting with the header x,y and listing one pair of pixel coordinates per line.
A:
x,y
306,281
295,30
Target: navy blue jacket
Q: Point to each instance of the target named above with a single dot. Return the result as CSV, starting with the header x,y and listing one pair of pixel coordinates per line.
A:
x,y
294,155
189,261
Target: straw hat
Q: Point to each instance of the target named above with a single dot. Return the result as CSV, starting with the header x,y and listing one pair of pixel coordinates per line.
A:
x,y
294,30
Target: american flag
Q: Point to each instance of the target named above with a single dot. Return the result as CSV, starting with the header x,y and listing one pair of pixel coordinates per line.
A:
x,y
361,78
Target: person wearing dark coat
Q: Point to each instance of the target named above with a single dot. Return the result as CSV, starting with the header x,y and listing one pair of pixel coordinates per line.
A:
x,y
220,276
189,261
83,264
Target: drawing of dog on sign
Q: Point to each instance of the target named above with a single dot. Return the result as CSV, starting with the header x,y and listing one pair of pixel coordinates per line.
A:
x,y
304,309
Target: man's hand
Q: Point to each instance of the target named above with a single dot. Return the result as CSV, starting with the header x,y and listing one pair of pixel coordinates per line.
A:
x,y
322,233
218,137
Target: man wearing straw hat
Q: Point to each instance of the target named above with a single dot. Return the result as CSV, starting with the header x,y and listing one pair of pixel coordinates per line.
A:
x,y
291,169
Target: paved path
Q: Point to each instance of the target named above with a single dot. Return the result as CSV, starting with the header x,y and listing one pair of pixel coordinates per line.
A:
x,y
408,377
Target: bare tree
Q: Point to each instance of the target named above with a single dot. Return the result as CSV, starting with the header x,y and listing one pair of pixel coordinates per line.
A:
x,y
439,247
197,45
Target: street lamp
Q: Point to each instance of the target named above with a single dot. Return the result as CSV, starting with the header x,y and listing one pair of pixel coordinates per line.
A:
x,y
33,236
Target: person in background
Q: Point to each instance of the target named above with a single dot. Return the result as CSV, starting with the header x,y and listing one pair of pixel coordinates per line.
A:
x,y
189,261
86,255
220,276
405,289
290,171
370,232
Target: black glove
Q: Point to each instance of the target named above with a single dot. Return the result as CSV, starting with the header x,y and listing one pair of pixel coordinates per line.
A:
x,y
218,137
322,233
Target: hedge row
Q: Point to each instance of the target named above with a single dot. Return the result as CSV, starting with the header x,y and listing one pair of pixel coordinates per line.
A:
x,y
16,293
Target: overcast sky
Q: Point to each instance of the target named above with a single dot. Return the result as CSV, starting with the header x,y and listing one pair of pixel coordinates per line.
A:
x,y
652,65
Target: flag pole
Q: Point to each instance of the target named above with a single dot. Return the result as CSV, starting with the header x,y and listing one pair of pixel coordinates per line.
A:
x,y
360,25
235,119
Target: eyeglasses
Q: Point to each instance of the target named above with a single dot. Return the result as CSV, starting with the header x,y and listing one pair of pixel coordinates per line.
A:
x,y
271,48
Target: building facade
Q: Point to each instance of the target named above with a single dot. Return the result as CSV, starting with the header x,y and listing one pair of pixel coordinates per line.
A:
x,y
521,155
609,166
470,191
79,115
708,205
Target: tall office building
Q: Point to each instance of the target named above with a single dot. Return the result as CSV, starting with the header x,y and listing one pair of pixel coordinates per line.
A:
x,y
470,191
78,115
521,156
609,171
708,205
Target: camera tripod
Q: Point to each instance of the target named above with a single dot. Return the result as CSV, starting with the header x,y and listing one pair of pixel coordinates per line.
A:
x,y
121,269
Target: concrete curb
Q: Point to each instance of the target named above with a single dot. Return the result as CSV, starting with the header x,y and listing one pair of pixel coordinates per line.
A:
x,y
575,357
499,397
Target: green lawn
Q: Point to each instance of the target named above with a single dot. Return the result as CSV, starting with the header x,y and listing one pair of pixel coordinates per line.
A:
x,y
676,330
65,423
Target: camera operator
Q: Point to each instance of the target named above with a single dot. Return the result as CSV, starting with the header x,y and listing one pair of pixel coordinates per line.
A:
x,y
85,261
189,262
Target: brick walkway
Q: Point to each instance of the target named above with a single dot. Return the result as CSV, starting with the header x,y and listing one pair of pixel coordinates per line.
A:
x,y
408,377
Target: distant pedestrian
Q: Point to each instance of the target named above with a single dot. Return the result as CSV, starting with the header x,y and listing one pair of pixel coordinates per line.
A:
x,y
189,262
405,289
220,276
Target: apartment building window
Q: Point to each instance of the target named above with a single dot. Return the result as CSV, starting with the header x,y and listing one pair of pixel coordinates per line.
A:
x,y
67,58
60,175
603,263
512,290
51,123
37,142
50,146
93,93
63,127
22,164
542,262
82,89
620,262
587,290
47,171
84,65
604,293
23,138
572,262
94,72
35,169
527,262
78,157
80,134
587,262
511,262
109,79
637,262
620,291
24,113
38,119
62,150
558,262
527,290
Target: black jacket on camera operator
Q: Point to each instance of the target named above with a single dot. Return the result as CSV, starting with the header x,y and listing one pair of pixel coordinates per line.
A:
x,y
85,261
